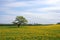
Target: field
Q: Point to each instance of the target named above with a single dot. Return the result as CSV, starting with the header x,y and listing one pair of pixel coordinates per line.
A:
x,y
50,32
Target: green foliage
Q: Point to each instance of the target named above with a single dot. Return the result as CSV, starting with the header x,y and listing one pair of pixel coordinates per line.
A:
x,y
58,23
21,19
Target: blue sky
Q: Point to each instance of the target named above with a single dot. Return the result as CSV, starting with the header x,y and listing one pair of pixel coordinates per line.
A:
x,y
35,11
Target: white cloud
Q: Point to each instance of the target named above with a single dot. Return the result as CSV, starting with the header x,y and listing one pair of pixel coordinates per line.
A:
x,y
18,4
2,2
52,2
32,3
6,18
49,15
34,17
48,9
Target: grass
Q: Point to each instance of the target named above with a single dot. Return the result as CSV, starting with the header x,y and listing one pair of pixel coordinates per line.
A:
x,y
51,32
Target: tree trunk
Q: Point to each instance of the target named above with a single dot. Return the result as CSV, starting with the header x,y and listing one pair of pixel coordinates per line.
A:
x,y
19,25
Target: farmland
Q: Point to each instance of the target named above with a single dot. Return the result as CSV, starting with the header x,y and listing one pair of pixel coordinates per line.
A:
x,y
50,32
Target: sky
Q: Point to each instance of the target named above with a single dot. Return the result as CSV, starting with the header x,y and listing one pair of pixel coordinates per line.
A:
x,y
35,11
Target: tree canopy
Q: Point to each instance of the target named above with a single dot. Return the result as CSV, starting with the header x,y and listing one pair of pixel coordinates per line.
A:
x,y
20,20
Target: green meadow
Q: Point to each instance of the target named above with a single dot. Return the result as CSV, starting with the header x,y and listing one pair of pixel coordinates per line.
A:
x,y
49,32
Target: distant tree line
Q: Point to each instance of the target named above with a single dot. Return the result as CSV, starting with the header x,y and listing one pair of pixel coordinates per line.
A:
x,y
7,24
25,24
21,25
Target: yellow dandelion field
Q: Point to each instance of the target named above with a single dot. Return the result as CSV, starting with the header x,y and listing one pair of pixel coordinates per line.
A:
x,y
50,32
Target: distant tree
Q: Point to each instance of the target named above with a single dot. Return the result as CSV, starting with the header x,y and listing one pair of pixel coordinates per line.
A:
x,y
58,23
20,20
